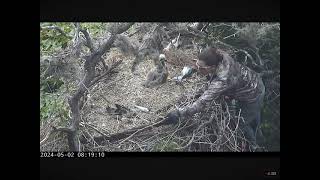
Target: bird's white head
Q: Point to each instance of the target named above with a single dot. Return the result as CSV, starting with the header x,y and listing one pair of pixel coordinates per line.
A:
x,y
162,57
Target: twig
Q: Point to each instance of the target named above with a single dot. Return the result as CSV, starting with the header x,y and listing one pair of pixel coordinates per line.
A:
x,y
94,142
136,144
144,109
188,144
94,128
140,131
234,35
45,138
110,70
171,136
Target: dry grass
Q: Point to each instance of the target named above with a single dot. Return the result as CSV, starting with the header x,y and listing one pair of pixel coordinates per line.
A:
x,y
126,89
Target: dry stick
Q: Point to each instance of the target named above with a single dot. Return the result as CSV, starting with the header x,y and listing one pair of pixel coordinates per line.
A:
x,y
222,24
171,135
234,35
204,27
51,142
224,132
104,98
143,118
89,44
244,51
211,143
134,130
231,132
45,138
126,133
146,140
84,135
140,131
113,66
94,128
197,130
46,129
228,139
189,143
137,144
178,129
94,142
236,129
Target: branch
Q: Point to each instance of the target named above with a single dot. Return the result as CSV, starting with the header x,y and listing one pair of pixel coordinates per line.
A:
x,y
88,38
106,73
89,66
90,45
127,134
45,138
234,35
76,48
255,65
203,29
114,31
261,63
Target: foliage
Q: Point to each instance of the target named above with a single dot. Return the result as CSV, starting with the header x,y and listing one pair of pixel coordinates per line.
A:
x,y
166,145
50,84
94,29
53,105
52,40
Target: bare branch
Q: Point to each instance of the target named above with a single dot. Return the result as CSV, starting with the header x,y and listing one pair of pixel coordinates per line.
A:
x,y
89,66
106,73
89,41
116,30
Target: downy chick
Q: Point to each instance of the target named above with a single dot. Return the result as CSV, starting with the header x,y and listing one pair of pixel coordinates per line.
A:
x,y
159,75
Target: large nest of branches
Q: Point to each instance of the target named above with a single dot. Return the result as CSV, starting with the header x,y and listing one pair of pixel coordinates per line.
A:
x,y
119,103
214,129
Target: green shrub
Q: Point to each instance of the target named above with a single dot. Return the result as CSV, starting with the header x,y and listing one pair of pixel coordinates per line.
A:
x,y
166,146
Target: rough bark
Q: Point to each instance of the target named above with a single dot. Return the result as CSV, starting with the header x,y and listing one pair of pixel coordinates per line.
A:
x,y
89,66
